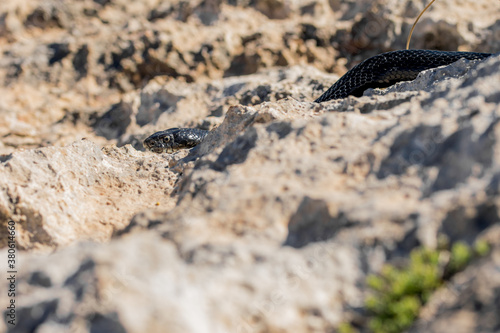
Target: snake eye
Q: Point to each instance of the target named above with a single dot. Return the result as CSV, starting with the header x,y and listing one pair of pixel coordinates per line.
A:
x,y
166,139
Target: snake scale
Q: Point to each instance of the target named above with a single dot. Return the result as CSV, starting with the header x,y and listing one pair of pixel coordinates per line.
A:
x,y
380,71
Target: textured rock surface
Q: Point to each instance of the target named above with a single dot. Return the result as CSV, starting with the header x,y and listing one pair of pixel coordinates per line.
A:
x,y
273,223
79,192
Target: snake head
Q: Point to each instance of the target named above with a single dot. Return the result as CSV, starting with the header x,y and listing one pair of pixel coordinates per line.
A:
x,y
173,139
163,141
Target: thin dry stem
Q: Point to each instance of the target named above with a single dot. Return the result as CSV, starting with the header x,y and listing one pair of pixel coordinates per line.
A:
x,y
414,24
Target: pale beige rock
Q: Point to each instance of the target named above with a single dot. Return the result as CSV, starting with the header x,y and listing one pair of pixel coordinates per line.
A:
x,y
141,281
80,192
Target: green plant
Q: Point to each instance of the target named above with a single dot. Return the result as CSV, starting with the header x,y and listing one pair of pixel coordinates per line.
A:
x,y
481,248
399,293
461,254
346,328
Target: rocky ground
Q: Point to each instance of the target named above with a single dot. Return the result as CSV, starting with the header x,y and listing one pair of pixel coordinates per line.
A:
x,y
279,220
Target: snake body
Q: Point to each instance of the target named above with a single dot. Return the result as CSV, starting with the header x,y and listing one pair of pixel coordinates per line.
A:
x,y
380,71
386,69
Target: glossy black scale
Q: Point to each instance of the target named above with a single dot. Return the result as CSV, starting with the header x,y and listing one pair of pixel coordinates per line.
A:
x,y
386,69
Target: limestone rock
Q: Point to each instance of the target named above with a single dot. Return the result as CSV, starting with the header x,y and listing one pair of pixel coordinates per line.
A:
x,y
80,192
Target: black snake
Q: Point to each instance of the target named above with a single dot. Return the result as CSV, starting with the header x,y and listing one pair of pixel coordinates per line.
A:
x,y
379,71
